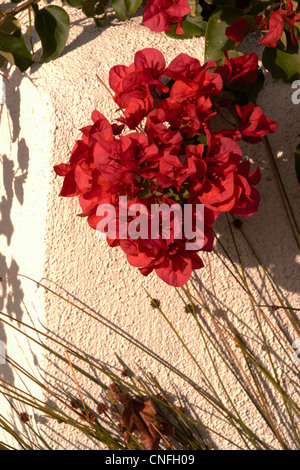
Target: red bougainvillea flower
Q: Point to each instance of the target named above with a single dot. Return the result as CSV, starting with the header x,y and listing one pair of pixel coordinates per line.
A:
x,y
285,14
121,160
254,125
243,68
79,173
172,263
167,153
220,161
158,14
277,21
261,22
188,69
246,196
133,85
238,30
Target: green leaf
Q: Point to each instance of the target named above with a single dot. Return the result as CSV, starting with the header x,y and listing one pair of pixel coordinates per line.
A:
x,y
120,8
125,7
11,26
216,40
192,27
75,3
144,193
15,46
284,64
259,7
91,8
100,21
52,24
132,6
193,6
297,162
202,139
219,3
6,56
2,60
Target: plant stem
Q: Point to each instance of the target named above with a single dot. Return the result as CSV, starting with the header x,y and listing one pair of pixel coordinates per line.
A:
x,y
30,30
12,13
282,192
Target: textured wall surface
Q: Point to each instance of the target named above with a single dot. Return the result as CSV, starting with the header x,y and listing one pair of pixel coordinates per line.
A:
x,y
42,237
26,130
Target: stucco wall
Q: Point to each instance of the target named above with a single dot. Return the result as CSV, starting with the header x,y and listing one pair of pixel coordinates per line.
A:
x,y
42,237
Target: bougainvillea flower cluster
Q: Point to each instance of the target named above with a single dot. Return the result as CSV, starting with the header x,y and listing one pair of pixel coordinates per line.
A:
x,y
284,15
159,15
169,146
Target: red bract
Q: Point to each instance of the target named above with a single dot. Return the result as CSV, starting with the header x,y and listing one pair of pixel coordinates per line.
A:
x,y
120,161
238,30
220,164
173,159
284,15
246,196
242,68
254,125
277,21
133,85
261,22
158,14
188,69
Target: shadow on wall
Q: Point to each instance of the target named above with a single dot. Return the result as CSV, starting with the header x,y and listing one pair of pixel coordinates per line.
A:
x,y
11,302
90,31
14,176
59,377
